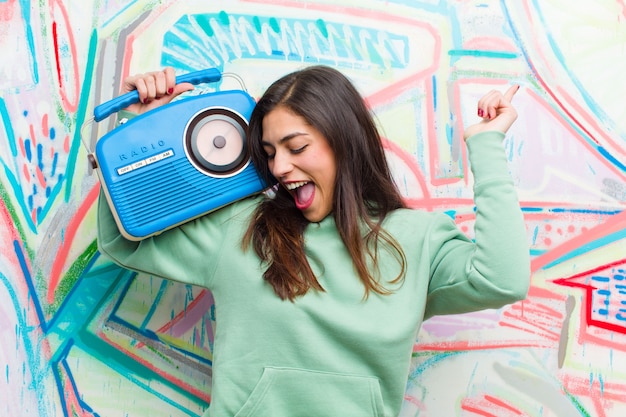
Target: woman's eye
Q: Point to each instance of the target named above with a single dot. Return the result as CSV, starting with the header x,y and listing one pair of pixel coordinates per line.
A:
x,y
269,153
298,150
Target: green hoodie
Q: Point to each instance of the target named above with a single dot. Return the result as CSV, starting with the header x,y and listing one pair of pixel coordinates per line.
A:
x,y
335,352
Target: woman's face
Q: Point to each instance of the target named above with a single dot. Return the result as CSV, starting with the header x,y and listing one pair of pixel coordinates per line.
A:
x,y
301,159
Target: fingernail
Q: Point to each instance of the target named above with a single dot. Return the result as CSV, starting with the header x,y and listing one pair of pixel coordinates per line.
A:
x,y
170,91
481,113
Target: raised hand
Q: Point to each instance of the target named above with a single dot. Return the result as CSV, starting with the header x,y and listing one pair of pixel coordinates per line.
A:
x,y
496,111
155,89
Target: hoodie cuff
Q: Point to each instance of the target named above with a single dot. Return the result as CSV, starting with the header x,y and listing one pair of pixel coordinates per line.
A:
x,y
487,157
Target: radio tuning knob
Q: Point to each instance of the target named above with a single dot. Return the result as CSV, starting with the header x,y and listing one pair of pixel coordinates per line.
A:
x,y
219,141
92,161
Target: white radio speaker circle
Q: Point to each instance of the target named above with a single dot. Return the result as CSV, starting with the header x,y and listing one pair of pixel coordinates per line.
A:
x,y
216,141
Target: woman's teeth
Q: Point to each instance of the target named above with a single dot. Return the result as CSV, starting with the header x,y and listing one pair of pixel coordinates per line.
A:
x,y
293,185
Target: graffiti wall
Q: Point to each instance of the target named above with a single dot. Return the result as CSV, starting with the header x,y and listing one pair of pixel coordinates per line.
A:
x,y
80,336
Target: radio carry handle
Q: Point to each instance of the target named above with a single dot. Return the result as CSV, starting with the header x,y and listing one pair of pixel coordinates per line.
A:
x,y
104,110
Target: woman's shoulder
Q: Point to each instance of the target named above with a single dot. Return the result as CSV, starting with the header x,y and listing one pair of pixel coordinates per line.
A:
x,y
239,211
248,204
241,208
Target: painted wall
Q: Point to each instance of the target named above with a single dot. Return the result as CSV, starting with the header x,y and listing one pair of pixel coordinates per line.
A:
x,y
82,337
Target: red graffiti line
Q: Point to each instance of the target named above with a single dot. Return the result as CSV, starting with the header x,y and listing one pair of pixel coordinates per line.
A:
x,y
203,395
490,406
187,318
604,295
55,38
603,394
616,224
535,318
69,104
71,398
70,233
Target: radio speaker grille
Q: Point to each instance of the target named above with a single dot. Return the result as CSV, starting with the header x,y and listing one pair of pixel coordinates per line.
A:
x,y
174,188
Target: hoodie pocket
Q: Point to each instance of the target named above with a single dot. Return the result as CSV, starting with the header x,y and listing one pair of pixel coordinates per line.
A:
x,y
289,392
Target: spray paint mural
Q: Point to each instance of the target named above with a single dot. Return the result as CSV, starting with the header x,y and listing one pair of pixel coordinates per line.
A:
x,y
82,337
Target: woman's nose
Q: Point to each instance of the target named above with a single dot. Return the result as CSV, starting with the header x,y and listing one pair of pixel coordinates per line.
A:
x,y
280,165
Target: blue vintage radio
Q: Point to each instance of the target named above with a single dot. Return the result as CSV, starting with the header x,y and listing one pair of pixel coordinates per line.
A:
x,y
177,162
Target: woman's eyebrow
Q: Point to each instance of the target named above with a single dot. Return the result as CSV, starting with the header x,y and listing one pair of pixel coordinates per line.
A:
x,y
286,138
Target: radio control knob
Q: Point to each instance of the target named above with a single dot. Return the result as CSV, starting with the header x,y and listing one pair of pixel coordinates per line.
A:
x,y
92,161
219,141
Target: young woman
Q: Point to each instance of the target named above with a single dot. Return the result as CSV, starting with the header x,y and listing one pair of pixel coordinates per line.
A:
x,y
321,289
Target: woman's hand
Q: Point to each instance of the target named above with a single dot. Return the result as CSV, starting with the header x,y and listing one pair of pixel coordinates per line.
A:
x,y
155,89
496,111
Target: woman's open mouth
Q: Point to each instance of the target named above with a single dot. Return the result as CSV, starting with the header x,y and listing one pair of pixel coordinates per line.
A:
x,y
303,192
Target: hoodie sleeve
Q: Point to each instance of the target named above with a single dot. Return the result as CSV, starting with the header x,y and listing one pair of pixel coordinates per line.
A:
x,y
187,253
494,270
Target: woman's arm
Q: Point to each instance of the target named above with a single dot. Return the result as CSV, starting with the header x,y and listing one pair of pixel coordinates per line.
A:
x,y
494,270
186,253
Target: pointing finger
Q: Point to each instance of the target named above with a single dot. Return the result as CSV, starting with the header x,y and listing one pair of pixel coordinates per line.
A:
x,y
511,92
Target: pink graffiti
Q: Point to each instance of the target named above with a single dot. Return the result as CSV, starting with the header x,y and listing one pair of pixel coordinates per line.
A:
x,y
66,244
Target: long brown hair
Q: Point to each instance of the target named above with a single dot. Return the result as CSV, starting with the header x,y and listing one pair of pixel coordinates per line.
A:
x,y
364,191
